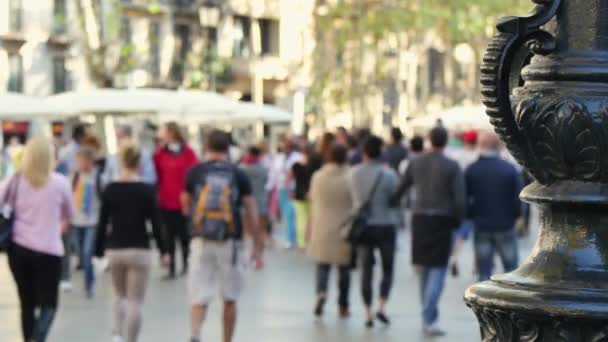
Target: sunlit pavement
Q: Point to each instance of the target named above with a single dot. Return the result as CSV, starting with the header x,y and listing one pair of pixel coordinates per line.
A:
x,y
277,306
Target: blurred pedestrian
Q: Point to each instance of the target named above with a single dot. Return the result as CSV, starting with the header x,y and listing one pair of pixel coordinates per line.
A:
x,y
416,149
360,137
302,172
42,203
438,210
285,186
147,172
217,251
128,206
257,172
493,187
87,197
67,154
332,205
172,160
342,136
14,151
465,156
395,152
322,151
372,181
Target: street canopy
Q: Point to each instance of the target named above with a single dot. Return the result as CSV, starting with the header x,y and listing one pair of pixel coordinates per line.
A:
x,y
24,107
456,118
138,101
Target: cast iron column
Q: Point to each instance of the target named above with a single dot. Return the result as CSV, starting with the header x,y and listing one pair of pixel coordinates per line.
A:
x,y
545,83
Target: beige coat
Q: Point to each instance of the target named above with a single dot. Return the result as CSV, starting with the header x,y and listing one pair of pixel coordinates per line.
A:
x,y
331,206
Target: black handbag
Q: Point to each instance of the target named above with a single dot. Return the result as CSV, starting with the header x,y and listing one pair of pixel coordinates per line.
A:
x,y
7,214
356,233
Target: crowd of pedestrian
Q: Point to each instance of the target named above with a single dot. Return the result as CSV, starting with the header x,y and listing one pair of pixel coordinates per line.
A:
x,y
341,199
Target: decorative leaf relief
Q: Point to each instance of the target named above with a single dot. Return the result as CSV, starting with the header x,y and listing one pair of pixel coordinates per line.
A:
x,y
564,138
498,325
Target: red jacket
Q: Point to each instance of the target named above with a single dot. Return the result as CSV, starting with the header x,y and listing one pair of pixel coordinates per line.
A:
x,y
171,169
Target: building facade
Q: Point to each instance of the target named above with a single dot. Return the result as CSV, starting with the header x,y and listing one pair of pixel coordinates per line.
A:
x,y
255,50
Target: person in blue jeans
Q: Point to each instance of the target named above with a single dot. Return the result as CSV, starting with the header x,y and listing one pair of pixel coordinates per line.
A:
x,y
438,209
493,187
86,202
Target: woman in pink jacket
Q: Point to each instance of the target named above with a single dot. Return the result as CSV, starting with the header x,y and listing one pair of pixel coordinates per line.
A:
x,y
42,204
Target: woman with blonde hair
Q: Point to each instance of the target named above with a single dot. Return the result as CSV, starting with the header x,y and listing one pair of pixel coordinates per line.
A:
x,y
41,201
128,205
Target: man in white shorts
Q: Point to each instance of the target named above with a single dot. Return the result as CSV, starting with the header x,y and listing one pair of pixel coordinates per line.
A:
x,y
216,191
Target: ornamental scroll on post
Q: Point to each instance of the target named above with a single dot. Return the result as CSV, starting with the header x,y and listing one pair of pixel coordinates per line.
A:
x,y
545,85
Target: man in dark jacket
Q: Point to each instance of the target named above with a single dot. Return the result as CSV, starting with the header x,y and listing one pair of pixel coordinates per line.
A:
x,y
395,152
439,207
493,187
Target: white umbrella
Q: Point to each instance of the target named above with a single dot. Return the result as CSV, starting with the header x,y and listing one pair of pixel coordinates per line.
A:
x,y
239,113
116,101
459,117
195,106
20,106
266,113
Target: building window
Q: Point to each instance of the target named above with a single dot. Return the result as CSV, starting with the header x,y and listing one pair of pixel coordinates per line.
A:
x,y
60,16
182,48
182,35
15,74
436,68
211,37
269,30
242,37
125,30
154,37
15,15
59,75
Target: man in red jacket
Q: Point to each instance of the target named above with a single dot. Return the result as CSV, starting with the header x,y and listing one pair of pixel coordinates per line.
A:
x,y
172,160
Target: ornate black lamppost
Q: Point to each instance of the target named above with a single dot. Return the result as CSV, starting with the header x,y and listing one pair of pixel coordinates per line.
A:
x,y
553,116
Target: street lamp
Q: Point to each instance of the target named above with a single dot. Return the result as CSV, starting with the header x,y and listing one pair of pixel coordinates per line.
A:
x,y
552,112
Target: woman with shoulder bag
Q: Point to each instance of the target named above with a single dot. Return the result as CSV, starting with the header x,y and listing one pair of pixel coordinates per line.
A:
x,y
41,202
372,185
331,206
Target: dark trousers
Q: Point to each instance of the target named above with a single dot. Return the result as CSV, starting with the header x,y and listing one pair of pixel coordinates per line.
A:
x,y
37,276
323,272
176,228
383,239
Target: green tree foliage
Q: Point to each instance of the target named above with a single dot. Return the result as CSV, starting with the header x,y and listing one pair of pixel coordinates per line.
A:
x,y
346,31
102,29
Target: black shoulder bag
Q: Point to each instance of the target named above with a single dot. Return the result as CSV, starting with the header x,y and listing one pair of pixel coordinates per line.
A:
x,y
7,214
360,221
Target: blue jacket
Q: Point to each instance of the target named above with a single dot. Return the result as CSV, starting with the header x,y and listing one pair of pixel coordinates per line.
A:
x,y
493,187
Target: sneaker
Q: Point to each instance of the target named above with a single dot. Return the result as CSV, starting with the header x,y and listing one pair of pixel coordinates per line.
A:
x,y
343,312
454,270
117,338
383,318
319,307
433,331
66,286
195,339
369,323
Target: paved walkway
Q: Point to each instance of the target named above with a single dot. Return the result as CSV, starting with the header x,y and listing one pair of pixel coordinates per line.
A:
x,y
277,307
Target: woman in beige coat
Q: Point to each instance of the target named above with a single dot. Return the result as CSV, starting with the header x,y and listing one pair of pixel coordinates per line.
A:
x,y
331,207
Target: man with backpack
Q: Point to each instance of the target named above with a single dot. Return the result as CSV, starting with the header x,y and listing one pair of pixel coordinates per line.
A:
x,y
216,193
